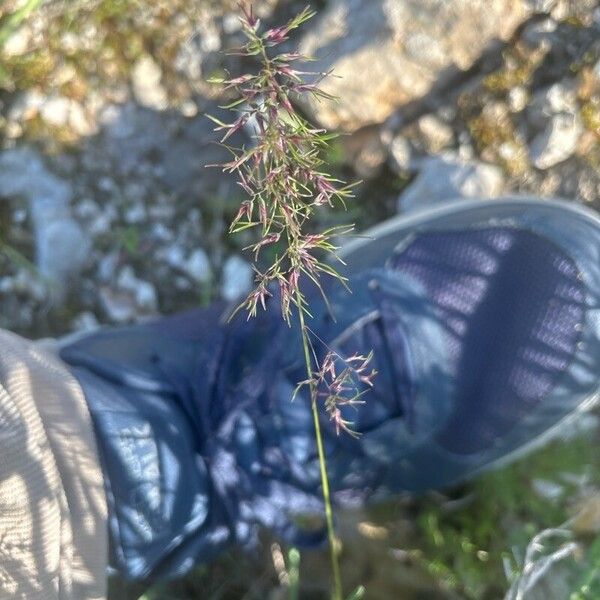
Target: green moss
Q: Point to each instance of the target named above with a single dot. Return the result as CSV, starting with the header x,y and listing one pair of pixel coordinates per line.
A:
x,y
588,585
29,70
589,113
590,116
52,138
116,34
518,68
490,134
468,549
573,21
112,9
12,19
334,155
503,80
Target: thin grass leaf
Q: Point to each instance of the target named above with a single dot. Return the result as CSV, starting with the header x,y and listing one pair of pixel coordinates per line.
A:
x,y
293,569
358,593
215,120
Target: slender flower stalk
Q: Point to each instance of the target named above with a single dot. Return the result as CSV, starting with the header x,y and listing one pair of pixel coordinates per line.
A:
x,y
282,174
333,550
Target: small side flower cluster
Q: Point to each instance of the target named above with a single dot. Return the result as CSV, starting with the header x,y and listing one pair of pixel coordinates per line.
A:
x,y
338,388
281,172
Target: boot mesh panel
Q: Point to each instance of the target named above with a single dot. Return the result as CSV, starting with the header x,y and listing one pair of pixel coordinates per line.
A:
x,y
512,305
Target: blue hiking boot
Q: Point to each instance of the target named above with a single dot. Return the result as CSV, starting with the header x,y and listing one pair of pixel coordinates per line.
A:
x,y
484,322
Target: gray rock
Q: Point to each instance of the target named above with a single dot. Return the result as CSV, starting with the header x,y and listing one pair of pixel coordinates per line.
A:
x,y
55,111
540,34
237,278
127,280
174,148
26,105
580,9
517,98
542,6
556,99
160,210
192,53
119,306
197,50
85,321
437,135
547,489
18,43
79,120
144,293
146,78
189,153
197,266
447,178
107,267
366,151
211,38
160,233
189,58
183,283
402,154
132,134
108,185
231,23
135,214
385,53
512,152
173,255
25,283
557,142
129,298
86,209
6,284
596,70
465,150
23,173
60,245
146,297
96,220
102,224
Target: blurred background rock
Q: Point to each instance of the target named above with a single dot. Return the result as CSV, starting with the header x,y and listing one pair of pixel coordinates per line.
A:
x,y
104,143
108,214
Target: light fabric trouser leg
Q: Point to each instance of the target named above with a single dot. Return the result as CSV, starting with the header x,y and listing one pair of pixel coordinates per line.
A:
x,y
53,533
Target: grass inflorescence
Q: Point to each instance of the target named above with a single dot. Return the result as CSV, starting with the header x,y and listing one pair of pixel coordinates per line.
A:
x,y
285,181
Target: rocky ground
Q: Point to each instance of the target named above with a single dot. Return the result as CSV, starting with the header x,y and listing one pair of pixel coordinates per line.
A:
x,y
103,183
109,215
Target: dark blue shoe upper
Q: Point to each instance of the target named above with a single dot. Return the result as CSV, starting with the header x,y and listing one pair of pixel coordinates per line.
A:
x,y
485,335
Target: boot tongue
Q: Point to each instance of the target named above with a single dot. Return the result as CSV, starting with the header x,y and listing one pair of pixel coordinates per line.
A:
x,y
390,313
